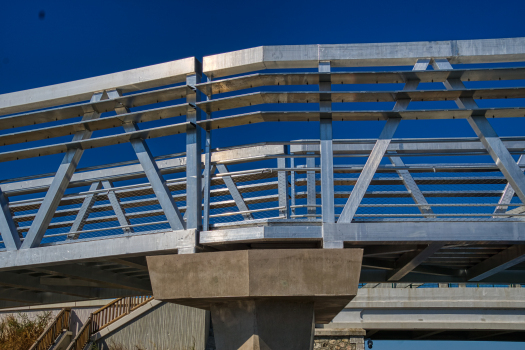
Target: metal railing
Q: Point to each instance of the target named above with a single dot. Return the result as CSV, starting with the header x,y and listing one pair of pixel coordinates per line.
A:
x,y
82,337
53,331
115,310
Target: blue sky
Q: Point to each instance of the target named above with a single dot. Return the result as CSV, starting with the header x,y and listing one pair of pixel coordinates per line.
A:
x,y
49,42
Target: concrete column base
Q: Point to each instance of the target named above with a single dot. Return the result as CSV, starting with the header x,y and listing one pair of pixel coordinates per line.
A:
x,y
261,299
263,325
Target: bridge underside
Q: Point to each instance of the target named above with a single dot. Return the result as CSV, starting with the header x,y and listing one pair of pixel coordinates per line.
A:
x,y
117,266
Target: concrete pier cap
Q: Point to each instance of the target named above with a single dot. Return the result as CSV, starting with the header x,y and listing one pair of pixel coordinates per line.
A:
x,y
261,299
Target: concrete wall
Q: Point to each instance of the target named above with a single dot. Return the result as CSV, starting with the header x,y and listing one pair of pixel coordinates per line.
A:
x,y
165,327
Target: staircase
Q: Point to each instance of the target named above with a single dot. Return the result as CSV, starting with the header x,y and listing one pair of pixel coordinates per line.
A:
x,y
105,316
57,336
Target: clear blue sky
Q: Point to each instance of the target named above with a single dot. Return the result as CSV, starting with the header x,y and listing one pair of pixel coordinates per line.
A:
x,y
49,42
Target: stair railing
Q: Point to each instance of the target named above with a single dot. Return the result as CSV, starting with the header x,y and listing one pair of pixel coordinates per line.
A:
x,y
115,310
82,337
51,333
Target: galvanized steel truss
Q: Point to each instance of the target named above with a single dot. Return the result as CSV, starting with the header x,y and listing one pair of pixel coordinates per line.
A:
x,y
192,202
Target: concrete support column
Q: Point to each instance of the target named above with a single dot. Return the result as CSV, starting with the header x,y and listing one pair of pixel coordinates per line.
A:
x,y
261,299
263,324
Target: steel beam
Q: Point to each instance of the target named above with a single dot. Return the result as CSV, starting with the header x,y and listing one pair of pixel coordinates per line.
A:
x,y
117,208
508,192
84,211
282,188
157,182
8,229
81,90
326,150
409,261
207,174
359,190
154,176
112,247
406,177
488,136
59,185
373,54
25,281
234,192
497,263
96,274
193,155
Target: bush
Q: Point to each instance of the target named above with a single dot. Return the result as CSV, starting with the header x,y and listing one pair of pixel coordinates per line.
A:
x,y
19,332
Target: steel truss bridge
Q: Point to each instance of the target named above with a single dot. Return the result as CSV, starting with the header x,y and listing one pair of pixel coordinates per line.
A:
x,y
83,233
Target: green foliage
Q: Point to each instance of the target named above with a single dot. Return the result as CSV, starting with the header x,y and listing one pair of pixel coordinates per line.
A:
x,y
19,332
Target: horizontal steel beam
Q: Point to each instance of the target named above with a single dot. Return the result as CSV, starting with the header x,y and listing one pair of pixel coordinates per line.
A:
x,y
374,54
429,232
374,233
91,125
298,116
131,171
73,111
81,90
258,98
270,79
112,247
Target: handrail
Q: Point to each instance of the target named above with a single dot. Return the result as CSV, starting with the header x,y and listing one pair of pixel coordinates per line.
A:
x,y
82,337
115,310
51,333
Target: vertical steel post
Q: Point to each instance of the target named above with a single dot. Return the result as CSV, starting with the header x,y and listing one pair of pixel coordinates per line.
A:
x,y
311,188
8,229
282,184
207,173
326,151
292,187
193,153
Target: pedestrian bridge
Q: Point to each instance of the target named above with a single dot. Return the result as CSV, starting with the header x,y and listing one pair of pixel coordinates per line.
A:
x,y
445,209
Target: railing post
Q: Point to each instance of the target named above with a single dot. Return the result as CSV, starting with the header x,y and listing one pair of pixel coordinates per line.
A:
x,y
282,183
311,188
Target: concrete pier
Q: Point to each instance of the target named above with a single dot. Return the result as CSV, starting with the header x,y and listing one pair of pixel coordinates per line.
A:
x,y
261,299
